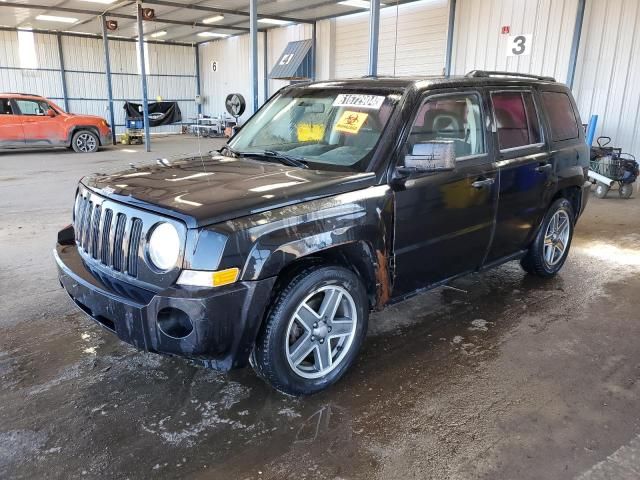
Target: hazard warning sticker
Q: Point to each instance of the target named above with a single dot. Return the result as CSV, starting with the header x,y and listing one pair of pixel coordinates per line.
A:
x,y
351,122
361,101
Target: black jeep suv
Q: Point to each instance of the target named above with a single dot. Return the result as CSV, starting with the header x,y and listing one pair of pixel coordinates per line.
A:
x,y
336,198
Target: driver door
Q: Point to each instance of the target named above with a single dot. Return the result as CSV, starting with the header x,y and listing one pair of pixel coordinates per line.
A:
x,y
444,220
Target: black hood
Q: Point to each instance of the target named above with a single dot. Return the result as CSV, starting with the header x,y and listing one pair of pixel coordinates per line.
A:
x,y
211,189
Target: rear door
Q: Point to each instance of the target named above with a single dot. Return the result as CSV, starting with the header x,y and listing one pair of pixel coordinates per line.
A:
x,y
39,128
527,177
11,132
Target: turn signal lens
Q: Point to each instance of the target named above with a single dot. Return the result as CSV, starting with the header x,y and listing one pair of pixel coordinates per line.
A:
x,y
225,277
199,278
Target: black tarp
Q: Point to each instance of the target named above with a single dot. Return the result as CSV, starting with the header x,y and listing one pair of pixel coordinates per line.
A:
x,y
160,113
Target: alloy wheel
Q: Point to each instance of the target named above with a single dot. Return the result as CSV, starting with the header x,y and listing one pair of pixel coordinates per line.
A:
x,y
86,142
321,331
556,238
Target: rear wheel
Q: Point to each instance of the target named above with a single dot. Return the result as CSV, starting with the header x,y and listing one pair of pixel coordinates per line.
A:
x,y
549,250
85,141
313,332
626,190
601,190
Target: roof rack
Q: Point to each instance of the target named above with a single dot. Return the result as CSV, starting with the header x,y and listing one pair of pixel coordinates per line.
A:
x,y
494,73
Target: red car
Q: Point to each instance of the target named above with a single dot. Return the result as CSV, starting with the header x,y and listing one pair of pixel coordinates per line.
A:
x,y
33,121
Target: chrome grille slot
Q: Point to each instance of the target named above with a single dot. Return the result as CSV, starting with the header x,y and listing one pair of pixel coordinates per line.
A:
x,y
105,246
134,243
111,239
118,253
95,225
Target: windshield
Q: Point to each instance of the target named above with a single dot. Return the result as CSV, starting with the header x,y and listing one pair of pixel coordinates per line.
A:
x,y
327,129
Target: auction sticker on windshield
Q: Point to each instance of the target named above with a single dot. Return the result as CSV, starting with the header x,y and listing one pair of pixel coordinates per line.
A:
x,y
355,100
351,122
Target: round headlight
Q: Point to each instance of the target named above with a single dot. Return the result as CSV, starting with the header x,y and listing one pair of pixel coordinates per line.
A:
x,y
164,246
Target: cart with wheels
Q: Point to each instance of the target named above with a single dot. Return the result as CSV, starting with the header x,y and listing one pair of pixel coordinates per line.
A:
x,y
133,132
609,166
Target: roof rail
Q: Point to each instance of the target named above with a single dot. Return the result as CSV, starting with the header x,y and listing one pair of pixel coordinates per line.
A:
x,y
494,73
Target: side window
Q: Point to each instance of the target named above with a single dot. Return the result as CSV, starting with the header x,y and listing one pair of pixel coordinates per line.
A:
x,y
562,118
516,119
5,106
30,107
456,118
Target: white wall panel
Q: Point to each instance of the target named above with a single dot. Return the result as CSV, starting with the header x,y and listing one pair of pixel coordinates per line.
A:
x,y
232,76
608,70
419,50
480,45
83,54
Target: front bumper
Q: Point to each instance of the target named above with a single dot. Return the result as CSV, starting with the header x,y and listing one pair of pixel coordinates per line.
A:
x,y
225,320
105,139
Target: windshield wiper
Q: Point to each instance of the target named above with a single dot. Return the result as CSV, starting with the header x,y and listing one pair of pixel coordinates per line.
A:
x,y
289,160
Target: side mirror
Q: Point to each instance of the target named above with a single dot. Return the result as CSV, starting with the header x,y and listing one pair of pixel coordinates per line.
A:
x,y
51,113
433,156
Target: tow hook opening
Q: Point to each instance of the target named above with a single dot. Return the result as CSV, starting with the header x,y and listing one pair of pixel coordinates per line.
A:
x,y
174,323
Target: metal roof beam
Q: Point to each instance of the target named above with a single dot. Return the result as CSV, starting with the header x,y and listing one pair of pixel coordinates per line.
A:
x,y
97,13
223,11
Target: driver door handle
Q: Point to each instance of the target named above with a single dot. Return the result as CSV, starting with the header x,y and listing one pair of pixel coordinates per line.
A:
x,y
482,183
544,167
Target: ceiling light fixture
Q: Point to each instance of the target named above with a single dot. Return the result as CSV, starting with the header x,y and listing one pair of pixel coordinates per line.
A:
x,y
273,21
161,33
100,1
212,34
213,19
53,18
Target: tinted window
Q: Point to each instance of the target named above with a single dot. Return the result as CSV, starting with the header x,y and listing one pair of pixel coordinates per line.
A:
x,y
562,118
516,119
5,106
31,107
456,118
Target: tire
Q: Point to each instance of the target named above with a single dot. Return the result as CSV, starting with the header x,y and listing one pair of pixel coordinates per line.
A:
x,y
291,329
601,190
85,141
626,190
549,250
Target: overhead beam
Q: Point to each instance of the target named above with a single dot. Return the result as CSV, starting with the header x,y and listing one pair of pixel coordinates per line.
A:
x,y
224,11
81,11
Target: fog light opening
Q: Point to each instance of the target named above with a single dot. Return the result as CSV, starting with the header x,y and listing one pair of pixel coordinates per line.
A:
x,y
174,322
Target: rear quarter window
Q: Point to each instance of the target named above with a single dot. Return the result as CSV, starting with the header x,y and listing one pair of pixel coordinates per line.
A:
x,y
562,118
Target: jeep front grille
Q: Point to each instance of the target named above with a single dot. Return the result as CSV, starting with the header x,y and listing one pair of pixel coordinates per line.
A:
x,y
112,238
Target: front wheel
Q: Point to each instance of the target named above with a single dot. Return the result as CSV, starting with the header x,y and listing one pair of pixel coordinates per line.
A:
x,y
549,250
314,331
601,190
626,190
85,141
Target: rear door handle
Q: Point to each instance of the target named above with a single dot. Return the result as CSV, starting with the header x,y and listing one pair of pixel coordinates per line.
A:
x,y
483,183
543,168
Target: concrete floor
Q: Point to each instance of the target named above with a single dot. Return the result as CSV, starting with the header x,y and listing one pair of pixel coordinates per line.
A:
x,y
518,378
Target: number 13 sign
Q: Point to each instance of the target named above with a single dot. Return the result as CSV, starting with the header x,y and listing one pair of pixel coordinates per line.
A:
x,y
518,45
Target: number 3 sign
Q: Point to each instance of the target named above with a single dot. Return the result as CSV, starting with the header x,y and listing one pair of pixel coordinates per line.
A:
x,y
518,45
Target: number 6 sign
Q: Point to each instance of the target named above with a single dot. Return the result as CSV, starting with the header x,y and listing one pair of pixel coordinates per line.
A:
x,y
518,45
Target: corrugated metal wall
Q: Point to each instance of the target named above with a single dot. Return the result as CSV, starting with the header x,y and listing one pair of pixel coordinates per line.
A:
x,y
607,77
421,40
171,74
232,74
479,43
